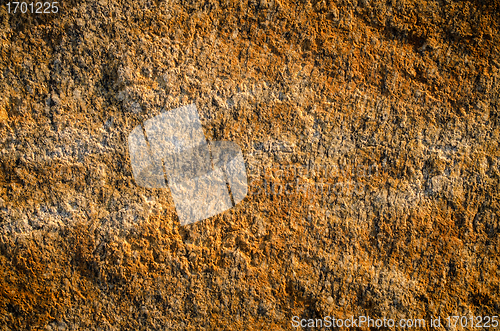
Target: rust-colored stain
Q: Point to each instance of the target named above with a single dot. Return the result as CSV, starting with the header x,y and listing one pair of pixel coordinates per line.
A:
x,y
370,131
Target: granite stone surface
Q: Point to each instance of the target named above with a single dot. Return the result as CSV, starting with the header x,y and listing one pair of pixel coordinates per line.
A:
x,y
370,132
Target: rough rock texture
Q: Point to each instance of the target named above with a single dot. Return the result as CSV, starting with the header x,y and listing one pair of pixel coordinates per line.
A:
x,y
370,130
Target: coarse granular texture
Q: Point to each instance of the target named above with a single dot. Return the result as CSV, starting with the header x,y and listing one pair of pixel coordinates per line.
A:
x,y
371,136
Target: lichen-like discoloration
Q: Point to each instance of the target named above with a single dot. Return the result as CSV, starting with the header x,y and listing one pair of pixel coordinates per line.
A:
x,y
392,106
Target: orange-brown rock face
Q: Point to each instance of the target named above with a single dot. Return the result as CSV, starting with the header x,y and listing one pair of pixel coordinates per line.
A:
x,y
370,132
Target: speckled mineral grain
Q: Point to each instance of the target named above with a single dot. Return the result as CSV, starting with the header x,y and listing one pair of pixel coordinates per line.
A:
x,y
370,132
